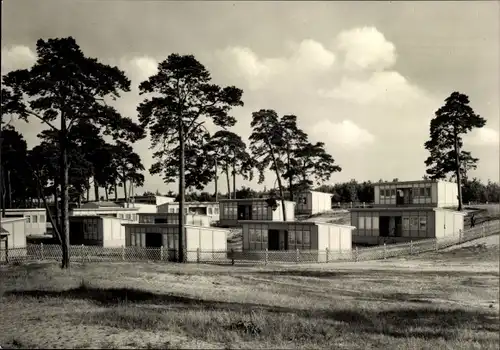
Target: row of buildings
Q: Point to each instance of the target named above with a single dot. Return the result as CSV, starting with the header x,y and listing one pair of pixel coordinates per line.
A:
x,y
402,211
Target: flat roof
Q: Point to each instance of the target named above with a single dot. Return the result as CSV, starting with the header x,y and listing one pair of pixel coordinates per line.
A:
x,y
13,210
189,203
13,219
252,200
291,223
410,182
382,209
105,209
164,224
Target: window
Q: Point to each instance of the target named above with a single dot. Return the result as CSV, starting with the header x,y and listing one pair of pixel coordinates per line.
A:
x,y
42,218
406,223
423,223
298,237
291,237
361,222
427,192
382,193
28,219
306,235
264,236
209,211
375,222
393,192
34,219
368,223
171,210
414,223
127,216
216,211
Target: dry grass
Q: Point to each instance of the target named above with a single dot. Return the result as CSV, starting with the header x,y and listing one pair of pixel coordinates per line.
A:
x,y
435,301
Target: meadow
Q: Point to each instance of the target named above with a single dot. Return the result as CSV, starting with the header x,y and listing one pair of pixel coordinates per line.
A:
x,y
446,300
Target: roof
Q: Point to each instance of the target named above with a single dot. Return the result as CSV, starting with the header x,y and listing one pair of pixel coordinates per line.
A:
x,y
164,224
3,231
13,219
410,182
253,200
291,223
190,203
310,191
23,210
112,209
99,205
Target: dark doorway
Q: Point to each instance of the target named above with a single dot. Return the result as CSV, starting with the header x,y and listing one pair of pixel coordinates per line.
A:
x,y
286,240
273,237
76,233
244,212
398,227
161,221
384,226
154,240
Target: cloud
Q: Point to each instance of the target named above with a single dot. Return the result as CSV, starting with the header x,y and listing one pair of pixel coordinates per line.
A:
x,y
484,137
139,68
345,133
366,49
389,88
17,57
306,60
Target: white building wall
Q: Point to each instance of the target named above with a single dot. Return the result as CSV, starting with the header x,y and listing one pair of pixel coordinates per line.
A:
x,y
16,229
36,219
334,237
113,232
144,208
448,223
448,194
277,215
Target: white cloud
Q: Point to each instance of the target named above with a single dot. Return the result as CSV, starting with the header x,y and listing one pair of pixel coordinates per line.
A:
x,y
307,59
388,88
366,48
139,68
484,137
345,133
17,57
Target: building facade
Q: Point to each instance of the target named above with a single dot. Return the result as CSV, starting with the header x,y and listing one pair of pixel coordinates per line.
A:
x,y
36,219
173,218
313,202
210,209
232,211
93,230
404,211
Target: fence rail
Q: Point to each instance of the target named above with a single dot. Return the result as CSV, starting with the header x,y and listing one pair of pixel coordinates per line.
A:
x,y
86,254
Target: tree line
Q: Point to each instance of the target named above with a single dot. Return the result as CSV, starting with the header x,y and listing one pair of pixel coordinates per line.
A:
x,y
86,143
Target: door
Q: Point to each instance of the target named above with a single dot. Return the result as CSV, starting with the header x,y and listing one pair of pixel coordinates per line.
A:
x,y
398,227
384,226
154,240
273,237
244,212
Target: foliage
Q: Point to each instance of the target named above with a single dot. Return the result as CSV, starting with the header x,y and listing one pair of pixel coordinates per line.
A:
x,y
62,89
450,123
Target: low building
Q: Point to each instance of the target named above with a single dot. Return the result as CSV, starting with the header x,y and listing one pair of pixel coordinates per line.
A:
x,y
173,218
142,207
198,239
312,202
36,219
211,209
12,237
93,230
106,209
233,211
411,210
153,200
306,237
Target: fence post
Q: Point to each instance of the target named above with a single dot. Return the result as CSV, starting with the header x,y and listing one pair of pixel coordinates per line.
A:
x,y
266,257
161,253
41,251
198,255
232,256
411,247
356,257
297,256
483,230
123,253
327,251
385,251
83,253
436,245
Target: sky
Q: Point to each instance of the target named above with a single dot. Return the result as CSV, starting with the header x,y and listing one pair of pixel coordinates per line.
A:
x,y
364,77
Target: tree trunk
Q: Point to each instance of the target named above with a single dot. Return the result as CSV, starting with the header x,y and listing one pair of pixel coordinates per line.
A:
x,y
116,192
64,195
125,192
280,185
4,191
216,182
56,205
96,190
107,194
290,177
228,183
181,191
234,182
9,191
458,172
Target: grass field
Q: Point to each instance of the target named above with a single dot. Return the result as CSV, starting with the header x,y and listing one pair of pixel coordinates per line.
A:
x,y
444,300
